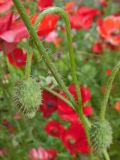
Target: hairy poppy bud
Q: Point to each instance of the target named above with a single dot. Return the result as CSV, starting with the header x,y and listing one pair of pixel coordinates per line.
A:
x,y
27,97
101,136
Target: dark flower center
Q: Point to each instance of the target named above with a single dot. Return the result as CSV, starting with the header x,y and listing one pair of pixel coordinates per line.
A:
x,y
50,104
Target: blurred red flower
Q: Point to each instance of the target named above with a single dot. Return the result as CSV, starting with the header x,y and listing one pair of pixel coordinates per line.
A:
x,y
43,4
47,25
17,58
109,29
83,17
85,94
5,22
87,110
66,112
117,106
54,128
42,154
49,104
5,5
3,152
97,48
16,32
9,126
52,153
103,3
109,72
74,139
12,31
69,7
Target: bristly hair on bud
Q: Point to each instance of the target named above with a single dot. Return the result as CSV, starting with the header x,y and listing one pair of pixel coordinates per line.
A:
x,y
27,97
101,136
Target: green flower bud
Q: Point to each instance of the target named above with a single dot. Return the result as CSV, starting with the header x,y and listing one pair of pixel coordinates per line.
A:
x,y
27,97
101,136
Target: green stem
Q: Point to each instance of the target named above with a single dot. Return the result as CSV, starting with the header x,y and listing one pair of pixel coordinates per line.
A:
x,y
29,62
108,90
63,14
106,156
41,49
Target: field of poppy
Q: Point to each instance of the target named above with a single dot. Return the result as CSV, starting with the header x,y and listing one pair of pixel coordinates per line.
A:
x,y
59,80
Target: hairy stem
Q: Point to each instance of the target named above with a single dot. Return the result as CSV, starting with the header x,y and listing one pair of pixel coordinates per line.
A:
x,y
108,90
106,155
29,62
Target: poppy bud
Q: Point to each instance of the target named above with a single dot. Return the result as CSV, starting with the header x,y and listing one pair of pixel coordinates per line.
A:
x,y
27,97
101,136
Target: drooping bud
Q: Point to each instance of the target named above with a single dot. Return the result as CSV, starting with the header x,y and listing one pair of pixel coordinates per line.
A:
x,y
27,97
101,136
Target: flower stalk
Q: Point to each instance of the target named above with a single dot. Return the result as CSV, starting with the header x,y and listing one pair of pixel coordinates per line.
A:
x,y
108,90
106,156
106,98
29,61
62,14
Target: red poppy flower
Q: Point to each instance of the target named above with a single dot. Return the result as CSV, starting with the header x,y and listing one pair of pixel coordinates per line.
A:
x,y
69,7
43,4
117,106
108,72
65,111
5,22
85,94
103,3
16,33
3,152
97,48
17,58
47,25
11,32
117,14
42,154
88,110
49,104
9,126
74,139
5,5
54,128
109,29
51,154
83,18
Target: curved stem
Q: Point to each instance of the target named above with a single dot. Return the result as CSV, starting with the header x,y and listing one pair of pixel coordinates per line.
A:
x,y
107,94
63,14
41,49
